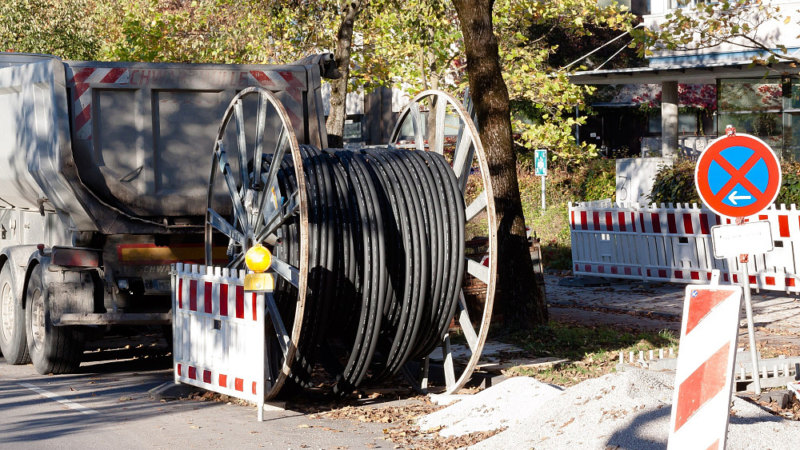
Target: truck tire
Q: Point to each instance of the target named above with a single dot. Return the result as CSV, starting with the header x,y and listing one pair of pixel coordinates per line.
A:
x,y
12,321
52,349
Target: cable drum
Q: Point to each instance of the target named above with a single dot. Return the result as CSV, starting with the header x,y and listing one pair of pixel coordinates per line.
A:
x,y
369,247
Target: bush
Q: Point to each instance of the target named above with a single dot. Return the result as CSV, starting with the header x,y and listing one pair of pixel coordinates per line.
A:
x,y
676,184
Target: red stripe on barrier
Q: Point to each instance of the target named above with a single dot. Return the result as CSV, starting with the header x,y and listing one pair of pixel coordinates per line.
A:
x,y
718,219
648,272
708,275
762,217
80,89
673,228
83,117
695,275
702,385
207,376
113,75
701,305
208,306
81,75
601,269
180,370
704,224
587,268
783,226
262,78
679,274
656,221
728,221
640,271
770,281
193,295
752,279
609,222
572,218
193,372
240,302
223,300
577,267
254,301
662,273
736,278
627,271
291,79
688,227
614,270
596,220
180,293
254,388
621,217
790,282
584,220
641,221
238,384
223,380
724,276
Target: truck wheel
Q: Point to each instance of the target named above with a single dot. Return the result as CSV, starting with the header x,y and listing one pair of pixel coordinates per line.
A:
x,y
52,349
12,321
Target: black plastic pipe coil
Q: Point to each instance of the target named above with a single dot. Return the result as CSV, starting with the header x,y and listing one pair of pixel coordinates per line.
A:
x,y
386,261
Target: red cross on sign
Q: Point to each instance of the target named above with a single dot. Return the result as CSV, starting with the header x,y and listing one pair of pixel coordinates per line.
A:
x,y
738,176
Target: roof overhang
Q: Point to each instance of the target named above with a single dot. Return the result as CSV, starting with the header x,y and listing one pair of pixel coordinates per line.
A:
x,y
699,74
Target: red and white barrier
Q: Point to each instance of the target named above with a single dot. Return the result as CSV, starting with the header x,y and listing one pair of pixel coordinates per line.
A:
x,y
673,243
218,333
701,402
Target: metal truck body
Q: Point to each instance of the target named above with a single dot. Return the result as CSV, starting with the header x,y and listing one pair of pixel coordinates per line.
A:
x,y
103,182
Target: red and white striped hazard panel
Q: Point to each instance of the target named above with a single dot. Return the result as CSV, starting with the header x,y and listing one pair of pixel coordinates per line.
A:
x,y
218,332
701,402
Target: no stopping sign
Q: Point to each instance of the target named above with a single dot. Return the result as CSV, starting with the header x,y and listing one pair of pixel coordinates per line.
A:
x,y
738,176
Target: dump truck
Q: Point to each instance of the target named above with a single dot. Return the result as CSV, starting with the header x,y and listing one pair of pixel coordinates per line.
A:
x,y
103,183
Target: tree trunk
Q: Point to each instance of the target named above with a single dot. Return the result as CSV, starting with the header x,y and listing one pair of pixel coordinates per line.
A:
x,y
518,295
344,39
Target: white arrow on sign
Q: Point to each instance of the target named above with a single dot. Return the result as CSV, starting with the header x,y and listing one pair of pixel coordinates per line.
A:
x,y
733,197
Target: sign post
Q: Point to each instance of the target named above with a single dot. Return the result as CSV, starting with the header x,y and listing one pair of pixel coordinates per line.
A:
x,y
540,161
739,176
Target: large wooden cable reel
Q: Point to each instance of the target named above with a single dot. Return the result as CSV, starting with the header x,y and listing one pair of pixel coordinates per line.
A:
x,y
467,159
264,203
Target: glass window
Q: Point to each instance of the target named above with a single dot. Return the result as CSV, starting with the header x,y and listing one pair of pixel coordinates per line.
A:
x,y
750,94
767,126
687,123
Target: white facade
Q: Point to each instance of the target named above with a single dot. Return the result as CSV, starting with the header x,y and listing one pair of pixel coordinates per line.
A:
x,y
773,33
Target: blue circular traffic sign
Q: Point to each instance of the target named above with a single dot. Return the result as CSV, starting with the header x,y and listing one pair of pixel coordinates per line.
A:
x,y
738,176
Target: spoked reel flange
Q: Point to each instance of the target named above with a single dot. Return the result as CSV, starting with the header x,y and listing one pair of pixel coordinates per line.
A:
x,y
257,195
467,159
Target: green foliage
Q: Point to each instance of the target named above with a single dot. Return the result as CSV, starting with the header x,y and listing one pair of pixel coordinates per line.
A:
x,y
59,27
790,187
675,184
601,180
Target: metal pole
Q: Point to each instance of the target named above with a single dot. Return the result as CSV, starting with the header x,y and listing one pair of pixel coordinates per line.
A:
x,y
750,332
543,206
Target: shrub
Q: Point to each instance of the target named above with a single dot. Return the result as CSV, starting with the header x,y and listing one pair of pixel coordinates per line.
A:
x,y
675,184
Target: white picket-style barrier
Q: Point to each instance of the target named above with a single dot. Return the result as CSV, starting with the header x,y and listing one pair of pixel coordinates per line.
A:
x,y
218,332
673,243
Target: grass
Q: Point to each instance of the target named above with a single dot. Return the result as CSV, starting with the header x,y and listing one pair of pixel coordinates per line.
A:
x,y
591,351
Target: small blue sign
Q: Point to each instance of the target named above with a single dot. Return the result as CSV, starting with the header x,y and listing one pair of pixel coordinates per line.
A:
x,y
540,161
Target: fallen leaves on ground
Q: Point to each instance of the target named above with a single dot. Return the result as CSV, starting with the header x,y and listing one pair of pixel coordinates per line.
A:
x,y
405,433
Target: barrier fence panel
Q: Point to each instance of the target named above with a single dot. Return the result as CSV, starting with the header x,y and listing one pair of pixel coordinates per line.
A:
x,y
673,243
218,332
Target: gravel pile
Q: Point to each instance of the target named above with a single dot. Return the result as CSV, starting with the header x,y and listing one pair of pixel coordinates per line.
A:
x,y
627,410
502,406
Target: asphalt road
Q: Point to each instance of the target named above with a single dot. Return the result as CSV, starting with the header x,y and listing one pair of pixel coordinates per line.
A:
x,y
107,406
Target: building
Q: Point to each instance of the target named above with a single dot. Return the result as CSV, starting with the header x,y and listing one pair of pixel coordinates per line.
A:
x,y
756,99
